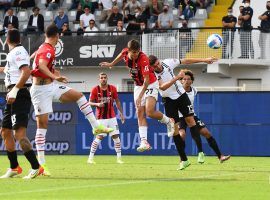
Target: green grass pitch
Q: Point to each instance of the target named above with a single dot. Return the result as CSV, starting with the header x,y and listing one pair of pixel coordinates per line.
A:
x,y
141,177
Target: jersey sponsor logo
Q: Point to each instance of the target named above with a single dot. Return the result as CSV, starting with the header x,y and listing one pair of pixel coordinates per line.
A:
x,y
17,53
20,59
59,47
104,99
97,51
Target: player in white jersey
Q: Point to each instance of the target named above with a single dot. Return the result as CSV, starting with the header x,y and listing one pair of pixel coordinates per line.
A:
x,y
187,82
175,99
17,109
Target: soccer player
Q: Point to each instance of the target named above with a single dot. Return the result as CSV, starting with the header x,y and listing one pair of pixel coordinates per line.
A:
x,y
17,109
103,96
187,82
47,87
145,90
176,99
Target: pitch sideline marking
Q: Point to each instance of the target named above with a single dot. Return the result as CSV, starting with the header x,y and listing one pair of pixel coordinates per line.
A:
x,y
116,184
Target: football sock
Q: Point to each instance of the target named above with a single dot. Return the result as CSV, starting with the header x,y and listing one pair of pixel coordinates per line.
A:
x,y
31,157
194,130
40,140
165,119
94,147
179,143
87,111
213,144
117,146
143,132
12,156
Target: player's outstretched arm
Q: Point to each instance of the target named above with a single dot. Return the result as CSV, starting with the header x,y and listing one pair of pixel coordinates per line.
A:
x,y
96,104
111,64
187,61
165,85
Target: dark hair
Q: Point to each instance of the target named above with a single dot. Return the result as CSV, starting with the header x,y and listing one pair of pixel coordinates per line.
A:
x,y
230,8
13,36
86,7
189,73
35,8
91,20
152,60
102,74
51,30
134,45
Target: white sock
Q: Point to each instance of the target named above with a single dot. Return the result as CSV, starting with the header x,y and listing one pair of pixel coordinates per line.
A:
x,y
117,147
143,132
40,141
165,119
87,111
94,147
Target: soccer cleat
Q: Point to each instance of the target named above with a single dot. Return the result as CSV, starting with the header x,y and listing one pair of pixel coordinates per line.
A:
x,y
120,161
170,127
34,173
12,172
102,129
224,158
46,171
183,165
200,158
144,146
91,161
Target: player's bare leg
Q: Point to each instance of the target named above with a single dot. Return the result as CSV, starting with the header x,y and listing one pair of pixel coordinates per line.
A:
x,y
154,114
75,96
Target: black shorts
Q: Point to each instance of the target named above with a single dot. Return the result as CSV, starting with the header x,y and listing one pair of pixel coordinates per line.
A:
x,y
183,124
17,114
173,106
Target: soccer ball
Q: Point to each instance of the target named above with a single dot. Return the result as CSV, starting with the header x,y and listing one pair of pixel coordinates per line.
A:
x,y
214,41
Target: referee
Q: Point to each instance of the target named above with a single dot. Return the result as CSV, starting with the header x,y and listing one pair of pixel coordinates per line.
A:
x,y
17,109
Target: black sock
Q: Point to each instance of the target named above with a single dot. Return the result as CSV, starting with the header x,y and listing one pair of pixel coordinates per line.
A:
x,y
179,143
194,130
213,144
31,157
12,156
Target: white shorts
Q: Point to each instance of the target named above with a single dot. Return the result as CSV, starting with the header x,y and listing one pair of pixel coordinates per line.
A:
x,y
110,123
43,95
152,91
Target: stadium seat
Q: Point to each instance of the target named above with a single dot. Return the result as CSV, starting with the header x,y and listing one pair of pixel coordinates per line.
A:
x,y
41,4
72,15
175,13
67,4
201,14
22,26
97,15
103,27
23,16
1,27
48,15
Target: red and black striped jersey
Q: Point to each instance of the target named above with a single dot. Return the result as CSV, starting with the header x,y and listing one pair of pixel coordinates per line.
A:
x,y
108,97
139,68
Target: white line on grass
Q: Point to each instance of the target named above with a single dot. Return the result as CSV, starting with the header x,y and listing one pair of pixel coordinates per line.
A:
x,y
116,184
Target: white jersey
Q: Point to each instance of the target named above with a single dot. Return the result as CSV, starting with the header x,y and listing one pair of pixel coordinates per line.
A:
x,y
191,95
16,58
176,90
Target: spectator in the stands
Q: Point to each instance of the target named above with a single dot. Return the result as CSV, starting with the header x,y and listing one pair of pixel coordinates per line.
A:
x,y
246,43
23,4
185,39
74,4
5,5
115,16
135,25
94,5
106,9
155,8
228,22
11,19
186,13
79,13
165,19
91,28
52,4
36,21
265,30
203,3
65,31
129,9
84,20
119,27
60,19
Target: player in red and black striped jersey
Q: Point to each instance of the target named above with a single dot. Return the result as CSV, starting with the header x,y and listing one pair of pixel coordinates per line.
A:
x,y
103,96
145,90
